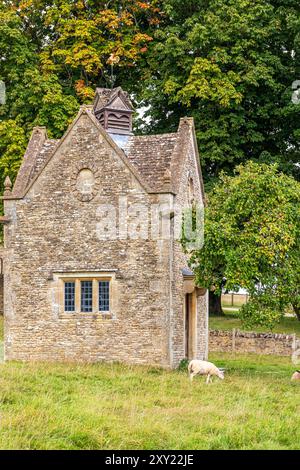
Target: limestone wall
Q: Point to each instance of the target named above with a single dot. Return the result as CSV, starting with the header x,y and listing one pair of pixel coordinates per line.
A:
x,y
185,173
259,343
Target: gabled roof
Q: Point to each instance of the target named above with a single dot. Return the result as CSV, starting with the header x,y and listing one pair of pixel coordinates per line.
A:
x,y
152,156
45,153
35,145
155,160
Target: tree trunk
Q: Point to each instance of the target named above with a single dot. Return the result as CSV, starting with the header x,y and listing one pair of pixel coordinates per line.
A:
x,y
215,306
297,311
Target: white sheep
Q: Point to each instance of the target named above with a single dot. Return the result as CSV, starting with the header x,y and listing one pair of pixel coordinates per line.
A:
x,y
296,375
196,367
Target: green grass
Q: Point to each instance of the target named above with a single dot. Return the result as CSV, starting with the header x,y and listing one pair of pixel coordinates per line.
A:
x,y
287,325
106,406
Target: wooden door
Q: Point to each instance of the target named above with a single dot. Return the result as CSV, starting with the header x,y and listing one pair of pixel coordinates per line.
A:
x,y
190,325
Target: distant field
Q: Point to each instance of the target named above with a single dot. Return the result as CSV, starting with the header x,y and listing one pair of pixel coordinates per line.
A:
x,y
288,325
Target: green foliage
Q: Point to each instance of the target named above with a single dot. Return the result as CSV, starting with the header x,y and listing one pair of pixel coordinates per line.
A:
x,y
183,365
54,54
79,40
230,64
261,311
252,240
34,94
12,147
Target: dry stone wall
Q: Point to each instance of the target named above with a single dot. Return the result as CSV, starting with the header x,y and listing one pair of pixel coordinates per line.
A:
x,y
248,342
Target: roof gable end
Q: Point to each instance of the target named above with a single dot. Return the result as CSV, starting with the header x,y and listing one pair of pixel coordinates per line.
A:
x,y
88,111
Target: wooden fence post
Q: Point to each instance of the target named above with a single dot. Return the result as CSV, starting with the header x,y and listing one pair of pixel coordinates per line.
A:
x,y
233,340
294,343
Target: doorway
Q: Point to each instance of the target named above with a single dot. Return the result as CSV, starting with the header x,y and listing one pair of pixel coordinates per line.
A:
x,y
190,325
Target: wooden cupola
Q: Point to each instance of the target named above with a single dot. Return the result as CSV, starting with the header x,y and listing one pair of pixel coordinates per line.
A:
x,y
114,110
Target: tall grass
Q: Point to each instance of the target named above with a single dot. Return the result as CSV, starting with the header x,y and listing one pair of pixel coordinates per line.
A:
x,y
105,406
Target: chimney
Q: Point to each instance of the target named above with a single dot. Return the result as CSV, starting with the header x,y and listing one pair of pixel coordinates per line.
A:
x,y
114,111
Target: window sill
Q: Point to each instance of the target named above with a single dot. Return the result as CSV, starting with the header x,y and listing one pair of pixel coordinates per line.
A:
x,y
89,315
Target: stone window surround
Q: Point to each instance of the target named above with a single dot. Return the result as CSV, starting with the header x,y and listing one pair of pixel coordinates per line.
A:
x,y
77,277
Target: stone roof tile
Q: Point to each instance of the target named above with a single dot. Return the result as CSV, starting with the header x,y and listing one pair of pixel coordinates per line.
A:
x,y
42,157
155,159
152,156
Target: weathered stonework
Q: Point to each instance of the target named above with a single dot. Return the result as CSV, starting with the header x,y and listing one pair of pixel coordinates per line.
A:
x,y
249,342
53,231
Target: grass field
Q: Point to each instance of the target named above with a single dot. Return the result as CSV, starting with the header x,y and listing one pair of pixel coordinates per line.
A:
x,y
288,325
113,406
103,406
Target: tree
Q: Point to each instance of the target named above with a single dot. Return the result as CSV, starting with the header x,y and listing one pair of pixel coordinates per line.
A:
x,y
252,240
12,147
80,40
54,53
230,64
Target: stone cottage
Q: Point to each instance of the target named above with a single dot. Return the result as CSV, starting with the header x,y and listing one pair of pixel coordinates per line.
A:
x,y
90,271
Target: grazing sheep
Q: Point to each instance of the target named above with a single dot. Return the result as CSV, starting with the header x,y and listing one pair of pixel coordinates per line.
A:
x,y
196,367
296,375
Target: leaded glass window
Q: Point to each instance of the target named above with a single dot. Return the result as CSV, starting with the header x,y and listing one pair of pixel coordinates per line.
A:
x,y
86,296
103,296
69,296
